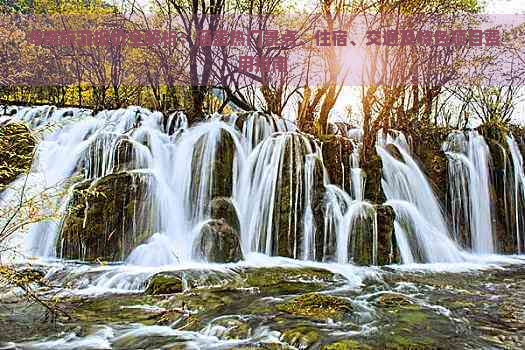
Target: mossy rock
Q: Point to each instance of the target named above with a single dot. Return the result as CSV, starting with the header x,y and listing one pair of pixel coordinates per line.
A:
x,y
389,300
346,344
218,242
290,280
372,168
266,280
17,146
317,306
387,248
223,208
301,337
164,284
286,225
361,236
233,328
337,152
107,218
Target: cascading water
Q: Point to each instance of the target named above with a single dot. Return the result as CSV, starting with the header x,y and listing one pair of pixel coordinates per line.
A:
x,y
264,166
517,195
469,189
420,225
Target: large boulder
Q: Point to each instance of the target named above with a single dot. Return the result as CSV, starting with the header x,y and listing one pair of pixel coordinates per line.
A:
x,y
107,218
17,146
218,242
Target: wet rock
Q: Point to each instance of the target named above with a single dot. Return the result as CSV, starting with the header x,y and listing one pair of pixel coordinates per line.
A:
x,y
317,306
109,153
223,208
372,169
394,152
392,300
218,242
164,283
337,152
289,207
231,328
426,143
107,218
387,248
361,238
301,337
291,280
218,171
346,344
17,146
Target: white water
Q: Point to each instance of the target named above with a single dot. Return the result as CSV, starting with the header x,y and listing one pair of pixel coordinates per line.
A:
x,y
420,227
469,188
76,145
182,161
518,193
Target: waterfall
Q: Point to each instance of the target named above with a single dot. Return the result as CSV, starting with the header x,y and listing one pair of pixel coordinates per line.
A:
x,y
469,189
517,194
420,228
273,176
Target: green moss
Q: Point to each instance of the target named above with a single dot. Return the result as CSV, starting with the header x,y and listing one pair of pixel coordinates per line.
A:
x,y
105,219
291,280
164,284
389,300
346,344
301,337
17,146
317,306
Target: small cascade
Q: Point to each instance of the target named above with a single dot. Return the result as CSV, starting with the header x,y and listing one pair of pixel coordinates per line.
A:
x,y
420,228
517,195
469,188
274,186
419,240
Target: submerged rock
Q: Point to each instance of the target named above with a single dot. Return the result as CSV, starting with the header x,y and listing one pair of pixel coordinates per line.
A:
x,y
318,306
17,146
218,242
107,218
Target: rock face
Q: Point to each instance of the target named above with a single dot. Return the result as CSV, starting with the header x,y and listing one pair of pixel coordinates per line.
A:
x,y
289,242
502,172
337,151
387,248
17,146
427,140
361,244
107,218
373,172
218,242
